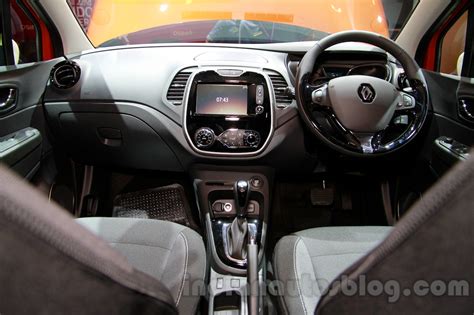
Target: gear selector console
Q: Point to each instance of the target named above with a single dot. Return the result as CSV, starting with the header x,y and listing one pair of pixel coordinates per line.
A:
x,y
235,205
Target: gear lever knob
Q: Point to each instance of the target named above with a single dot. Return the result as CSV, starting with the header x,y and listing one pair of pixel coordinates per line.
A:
x,y
241,196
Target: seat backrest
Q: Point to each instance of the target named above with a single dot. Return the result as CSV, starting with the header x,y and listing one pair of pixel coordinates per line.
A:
x,y
424,266
49,264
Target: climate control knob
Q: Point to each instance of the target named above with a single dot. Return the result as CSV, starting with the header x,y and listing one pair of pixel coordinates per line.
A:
x,y
251,139
204,137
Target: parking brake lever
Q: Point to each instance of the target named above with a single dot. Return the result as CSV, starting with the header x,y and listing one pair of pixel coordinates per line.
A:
x,y
252,276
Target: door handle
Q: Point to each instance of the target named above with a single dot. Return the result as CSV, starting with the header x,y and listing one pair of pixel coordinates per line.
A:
x,y
7,98
466,108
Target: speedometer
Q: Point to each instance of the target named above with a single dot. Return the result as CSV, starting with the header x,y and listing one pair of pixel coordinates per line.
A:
x,y
376,70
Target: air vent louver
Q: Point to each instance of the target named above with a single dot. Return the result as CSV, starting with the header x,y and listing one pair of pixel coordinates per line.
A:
x,y
65,74
176,90
283,98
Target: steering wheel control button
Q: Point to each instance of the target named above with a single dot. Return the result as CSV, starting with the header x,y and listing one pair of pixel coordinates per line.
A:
x,y
204,137
259,109
228,207
319,96
401,120
405,101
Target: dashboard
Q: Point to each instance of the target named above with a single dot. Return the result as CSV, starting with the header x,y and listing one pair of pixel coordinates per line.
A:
x,y
167,107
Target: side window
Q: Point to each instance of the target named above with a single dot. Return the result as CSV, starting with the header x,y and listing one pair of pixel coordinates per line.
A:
x,y
20,37
25,37
3,57
2,54
452,47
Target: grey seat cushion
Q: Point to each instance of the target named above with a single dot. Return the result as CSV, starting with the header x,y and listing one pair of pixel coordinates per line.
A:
x,y
169,252
307,262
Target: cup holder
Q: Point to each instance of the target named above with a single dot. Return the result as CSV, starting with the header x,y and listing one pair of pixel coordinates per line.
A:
x,y
229,301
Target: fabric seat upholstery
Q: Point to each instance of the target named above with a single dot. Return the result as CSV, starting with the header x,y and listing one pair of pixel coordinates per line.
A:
x,y
308,261
50,264
432,243
169,252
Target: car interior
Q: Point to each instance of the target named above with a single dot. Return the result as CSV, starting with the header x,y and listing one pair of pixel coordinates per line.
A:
x,y
236,157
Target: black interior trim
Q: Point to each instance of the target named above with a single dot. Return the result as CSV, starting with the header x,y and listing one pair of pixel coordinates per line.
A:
x,y
56,40
439,44
425,41
7,33
468,63
33,20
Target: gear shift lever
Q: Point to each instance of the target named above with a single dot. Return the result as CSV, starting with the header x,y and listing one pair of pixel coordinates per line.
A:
x,y
237,234
241,196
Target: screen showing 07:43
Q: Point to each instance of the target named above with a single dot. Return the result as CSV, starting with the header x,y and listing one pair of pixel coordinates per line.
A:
x,y
221,99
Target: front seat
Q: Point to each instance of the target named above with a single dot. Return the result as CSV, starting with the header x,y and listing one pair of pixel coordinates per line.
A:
x,y
423,265
50,264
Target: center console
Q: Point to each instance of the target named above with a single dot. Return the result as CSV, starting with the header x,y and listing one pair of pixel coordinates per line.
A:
x,y
228,112
234,205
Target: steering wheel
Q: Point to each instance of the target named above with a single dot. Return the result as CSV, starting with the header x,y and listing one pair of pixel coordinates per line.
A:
x,y
357,114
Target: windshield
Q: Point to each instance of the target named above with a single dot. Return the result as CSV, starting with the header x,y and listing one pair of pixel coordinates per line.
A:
x,y
127,22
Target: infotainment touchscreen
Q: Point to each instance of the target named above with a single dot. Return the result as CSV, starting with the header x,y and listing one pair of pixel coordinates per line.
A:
x,y
221,99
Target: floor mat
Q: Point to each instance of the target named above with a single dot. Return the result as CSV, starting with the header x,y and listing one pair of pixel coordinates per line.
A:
x,y
166,203
356,202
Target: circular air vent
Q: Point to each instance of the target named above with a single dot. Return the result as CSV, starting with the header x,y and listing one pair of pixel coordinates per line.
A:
x,y
65,74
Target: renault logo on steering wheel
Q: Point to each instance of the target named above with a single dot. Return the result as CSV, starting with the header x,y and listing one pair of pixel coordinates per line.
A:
x,y
366,93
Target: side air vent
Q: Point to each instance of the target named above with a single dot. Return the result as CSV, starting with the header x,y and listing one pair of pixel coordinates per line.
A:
x,y
283,93
176,90
65,74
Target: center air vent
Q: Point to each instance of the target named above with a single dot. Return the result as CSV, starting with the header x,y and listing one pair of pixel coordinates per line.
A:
x,y
65,74
176,90
283,92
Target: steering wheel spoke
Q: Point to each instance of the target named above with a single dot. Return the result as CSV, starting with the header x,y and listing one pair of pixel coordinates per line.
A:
x,y
366,142
348,136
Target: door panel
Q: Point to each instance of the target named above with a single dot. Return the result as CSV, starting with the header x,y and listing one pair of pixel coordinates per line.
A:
x,y
22,124
451,134
444,99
